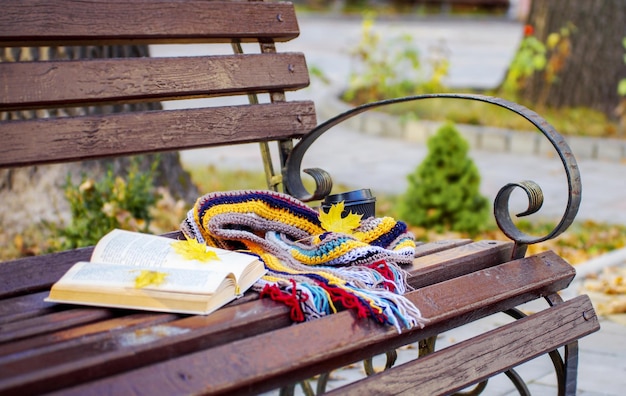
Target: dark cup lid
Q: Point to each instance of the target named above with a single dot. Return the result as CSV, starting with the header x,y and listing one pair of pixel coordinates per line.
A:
x,y
350,196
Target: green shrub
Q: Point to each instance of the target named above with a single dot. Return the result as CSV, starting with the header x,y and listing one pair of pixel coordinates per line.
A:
x,y
443,192
97,207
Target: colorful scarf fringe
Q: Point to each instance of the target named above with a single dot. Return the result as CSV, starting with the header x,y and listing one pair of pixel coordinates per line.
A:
x,y
313,271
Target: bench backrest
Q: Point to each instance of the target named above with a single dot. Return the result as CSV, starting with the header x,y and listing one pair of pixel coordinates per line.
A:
x,y
123,82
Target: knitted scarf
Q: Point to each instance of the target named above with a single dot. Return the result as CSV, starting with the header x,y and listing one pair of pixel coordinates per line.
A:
x,y
313,271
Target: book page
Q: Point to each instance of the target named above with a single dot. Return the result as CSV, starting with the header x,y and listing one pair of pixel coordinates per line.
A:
x,y
133,248
113,276
155,252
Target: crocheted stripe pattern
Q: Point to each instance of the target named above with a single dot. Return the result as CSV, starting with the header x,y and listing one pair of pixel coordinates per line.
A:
x,y
313,271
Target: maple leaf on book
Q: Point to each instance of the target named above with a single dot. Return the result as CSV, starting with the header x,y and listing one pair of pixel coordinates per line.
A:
x,y
147,278
191,249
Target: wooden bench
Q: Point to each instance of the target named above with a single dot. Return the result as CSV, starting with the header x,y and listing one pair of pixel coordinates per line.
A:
x,y
250,346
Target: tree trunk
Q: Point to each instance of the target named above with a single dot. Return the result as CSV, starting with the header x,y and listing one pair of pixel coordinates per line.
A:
x,y
595,65
36,193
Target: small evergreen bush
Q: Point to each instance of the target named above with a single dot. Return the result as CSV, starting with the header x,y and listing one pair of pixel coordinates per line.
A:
x,y
443,191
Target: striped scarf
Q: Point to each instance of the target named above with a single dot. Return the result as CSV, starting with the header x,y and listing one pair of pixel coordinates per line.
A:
x,y
313,271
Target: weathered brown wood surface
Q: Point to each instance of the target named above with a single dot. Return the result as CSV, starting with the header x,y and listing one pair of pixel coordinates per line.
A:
x,y
239,343
98,136
79,22
100,81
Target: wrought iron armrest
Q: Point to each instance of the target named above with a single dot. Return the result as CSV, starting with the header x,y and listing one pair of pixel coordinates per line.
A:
x,y
293,181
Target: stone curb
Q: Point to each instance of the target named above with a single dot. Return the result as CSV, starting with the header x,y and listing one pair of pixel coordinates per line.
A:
x,y
479,137
596,265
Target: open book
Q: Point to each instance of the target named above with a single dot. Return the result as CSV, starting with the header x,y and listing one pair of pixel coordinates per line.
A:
x,y
149,272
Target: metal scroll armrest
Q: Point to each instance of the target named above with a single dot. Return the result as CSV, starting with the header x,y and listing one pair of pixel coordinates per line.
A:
x,y
294,185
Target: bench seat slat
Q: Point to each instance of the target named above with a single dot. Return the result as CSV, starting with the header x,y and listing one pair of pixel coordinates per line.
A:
x,y
24,307
476,359
80,22
89,137
55,321
260,363
425,249
35,274
30,278
457,260
103,81
54,340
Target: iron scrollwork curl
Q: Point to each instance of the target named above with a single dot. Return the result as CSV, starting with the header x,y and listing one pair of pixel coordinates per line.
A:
x,y
294,184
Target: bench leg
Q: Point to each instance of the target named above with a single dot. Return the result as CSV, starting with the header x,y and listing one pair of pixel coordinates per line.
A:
x,y
571,370
306,388
518,381
368,364
427,346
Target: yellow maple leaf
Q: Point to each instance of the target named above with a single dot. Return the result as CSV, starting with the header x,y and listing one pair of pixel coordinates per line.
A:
x,y
147,278
333,222
191,249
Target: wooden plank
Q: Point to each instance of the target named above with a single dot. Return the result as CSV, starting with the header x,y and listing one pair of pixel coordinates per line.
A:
x,y
107,81
518,279
55,321
77,138
57,340
25,275
457,260
474,360
24,307
261,363
83,353
79,22
424,249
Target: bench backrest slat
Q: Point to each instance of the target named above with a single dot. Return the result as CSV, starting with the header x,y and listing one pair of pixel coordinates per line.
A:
x,y
44,22
101,81
75,138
